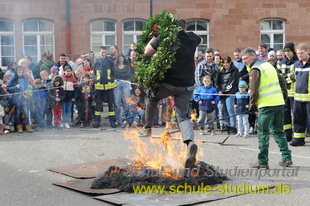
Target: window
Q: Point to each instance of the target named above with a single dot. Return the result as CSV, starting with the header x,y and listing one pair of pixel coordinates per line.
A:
x,y
132,30
38,37
272,33
103,33
6,42
201,28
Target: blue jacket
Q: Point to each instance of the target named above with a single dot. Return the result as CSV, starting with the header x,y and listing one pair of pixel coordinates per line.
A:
x,y
206,98
242,100
11,88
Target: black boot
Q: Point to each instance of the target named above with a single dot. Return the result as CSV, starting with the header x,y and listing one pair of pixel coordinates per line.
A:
x,y
298,142
234,130
289,135
229,129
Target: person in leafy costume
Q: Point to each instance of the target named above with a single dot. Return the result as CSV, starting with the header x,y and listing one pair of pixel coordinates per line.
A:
x,y
178,82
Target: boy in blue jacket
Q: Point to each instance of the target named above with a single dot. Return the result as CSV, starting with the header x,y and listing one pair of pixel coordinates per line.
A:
x,y
242,105
207,97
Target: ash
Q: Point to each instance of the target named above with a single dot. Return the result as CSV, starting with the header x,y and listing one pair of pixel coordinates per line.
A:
x,y
124,179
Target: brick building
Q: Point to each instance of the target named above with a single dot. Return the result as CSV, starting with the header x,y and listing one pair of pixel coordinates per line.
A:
x,y
77,26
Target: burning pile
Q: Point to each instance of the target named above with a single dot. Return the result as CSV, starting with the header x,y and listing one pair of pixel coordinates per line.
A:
x,y
159,165
124,179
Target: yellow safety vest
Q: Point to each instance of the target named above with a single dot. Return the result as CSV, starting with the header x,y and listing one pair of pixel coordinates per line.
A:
x,y
270,93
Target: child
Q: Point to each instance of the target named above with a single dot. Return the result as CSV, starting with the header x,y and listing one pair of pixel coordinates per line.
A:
x,y
130,115
56,96
40,99
86,95
19,85
54,72
47,84
2,93
8,118
207,98
242,105
71,90
139,99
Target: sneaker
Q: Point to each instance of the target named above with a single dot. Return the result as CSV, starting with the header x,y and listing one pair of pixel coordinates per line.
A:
x,y
59,128
191,155
67,126
145,132
6,131
82,125
285,163
259,166
202,132
96,125
113,125
134,125
238,135
246,135
298,142
251,130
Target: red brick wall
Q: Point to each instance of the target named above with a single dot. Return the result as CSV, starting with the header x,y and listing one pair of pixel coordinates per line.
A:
x,y
233,23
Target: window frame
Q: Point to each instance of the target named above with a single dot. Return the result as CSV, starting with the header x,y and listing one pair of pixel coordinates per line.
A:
x,y
38,35
7,33
135,33
103,35
200,33
272,32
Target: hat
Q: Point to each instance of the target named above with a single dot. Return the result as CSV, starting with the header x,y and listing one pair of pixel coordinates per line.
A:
x,y
271,53
289,47
54,69
242,84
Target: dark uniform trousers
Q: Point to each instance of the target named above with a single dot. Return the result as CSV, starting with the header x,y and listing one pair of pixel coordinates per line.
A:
x,y
288,109
100,96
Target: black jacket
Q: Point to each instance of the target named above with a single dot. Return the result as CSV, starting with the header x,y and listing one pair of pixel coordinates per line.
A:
x,y
228,81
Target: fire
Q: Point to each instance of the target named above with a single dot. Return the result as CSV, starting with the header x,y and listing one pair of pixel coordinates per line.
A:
x,y
166,154
116,170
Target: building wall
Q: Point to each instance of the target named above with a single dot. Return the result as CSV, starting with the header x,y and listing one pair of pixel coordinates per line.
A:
x,y
233,23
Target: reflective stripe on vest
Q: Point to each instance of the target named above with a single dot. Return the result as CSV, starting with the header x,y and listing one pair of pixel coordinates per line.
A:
x,y
270,93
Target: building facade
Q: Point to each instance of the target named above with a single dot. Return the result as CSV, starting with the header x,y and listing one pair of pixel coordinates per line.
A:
x,y
77,26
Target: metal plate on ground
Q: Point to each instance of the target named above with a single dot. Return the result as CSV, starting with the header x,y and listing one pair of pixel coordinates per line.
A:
x,y
123,198
83,185
89,169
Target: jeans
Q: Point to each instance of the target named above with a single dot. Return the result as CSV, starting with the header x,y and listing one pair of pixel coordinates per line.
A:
x,y
67,112
40,110
121,95
22,107
228,110
243,123
182,97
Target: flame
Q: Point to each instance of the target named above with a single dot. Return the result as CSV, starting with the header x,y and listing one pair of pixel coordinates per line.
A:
x,y
165,154
116,170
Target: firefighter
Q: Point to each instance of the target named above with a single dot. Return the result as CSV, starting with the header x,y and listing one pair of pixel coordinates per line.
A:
x,y
301,108
104,85
268,95
287,70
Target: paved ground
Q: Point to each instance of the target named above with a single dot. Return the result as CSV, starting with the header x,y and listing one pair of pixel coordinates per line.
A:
x,y
25,157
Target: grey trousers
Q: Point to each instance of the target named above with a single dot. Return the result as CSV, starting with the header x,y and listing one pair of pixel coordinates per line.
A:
x,y
182,96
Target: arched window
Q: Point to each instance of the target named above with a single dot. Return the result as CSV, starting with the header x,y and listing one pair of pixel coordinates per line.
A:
x,y
103,33
201,28
7,53
132,30
38,37
272,33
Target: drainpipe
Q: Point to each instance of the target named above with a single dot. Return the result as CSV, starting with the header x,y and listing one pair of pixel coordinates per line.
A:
x,y
68,27
151,8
